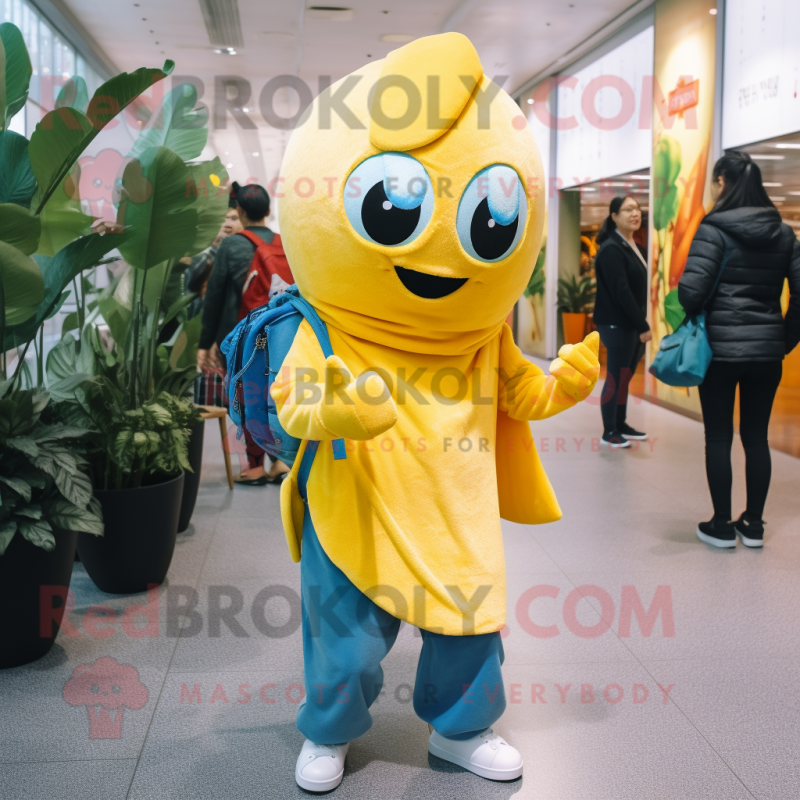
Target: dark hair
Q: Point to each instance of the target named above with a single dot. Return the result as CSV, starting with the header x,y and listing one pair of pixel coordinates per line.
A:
x,y
252,199
743,186
609,226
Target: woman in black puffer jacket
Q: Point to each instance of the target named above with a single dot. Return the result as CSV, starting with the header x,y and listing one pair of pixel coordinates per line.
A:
x,y
747,333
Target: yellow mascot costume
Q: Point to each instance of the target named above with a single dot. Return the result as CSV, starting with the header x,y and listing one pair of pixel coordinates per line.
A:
x,y
412,219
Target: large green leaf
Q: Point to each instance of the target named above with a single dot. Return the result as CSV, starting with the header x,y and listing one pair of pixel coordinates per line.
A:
x,y
74,518
17,182
673,310
23,286
19,228
38,532
209,182
64,133
21,487
18,70
156,208
176,125
68,367
62,218
58,272
74,94
7,531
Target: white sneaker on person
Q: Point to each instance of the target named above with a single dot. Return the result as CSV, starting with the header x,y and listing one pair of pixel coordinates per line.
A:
x,y
487,755
320,767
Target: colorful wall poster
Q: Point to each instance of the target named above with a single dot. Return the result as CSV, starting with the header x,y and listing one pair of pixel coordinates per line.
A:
x,y
683,120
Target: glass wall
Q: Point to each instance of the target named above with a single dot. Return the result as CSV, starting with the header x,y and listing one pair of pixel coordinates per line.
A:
x,y
53,58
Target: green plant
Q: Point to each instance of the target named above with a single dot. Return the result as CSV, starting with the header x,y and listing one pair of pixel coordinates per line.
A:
x,y
124,446
574,295
536,283
43,482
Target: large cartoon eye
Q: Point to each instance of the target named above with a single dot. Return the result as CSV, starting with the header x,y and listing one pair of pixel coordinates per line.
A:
x,y
492,213
389,199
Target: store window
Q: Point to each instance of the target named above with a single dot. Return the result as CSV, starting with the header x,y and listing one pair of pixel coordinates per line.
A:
x,y
761,116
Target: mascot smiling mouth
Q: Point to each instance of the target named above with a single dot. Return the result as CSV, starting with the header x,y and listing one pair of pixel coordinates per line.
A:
x,y
431,287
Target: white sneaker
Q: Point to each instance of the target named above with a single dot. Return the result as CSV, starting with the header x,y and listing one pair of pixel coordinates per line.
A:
x,y
487,755
320,767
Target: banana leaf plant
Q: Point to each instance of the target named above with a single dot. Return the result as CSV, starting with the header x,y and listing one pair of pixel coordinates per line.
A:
x,y
170,207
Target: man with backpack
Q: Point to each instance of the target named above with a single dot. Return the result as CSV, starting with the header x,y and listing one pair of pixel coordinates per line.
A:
x,y
250,266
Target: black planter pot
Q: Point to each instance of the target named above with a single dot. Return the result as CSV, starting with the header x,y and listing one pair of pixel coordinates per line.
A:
x,y
30,578
191,482
140,530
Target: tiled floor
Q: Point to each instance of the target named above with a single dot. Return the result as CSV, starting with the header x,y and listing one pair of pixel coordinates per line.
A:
x,y
697,703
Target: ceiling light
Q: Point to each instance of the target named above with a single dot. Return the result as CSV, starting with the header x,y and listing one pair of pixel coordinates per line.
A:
x,y
399,38
255,154
794,194
639,177
712,11
778,198
767,158
229,166
530,101
771,185
330,13
225,51
588,189
246,110
787,146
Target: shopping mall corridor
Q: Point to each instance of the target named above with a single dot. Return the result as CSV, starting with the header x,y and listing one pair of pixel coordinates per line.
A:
x,y
704,707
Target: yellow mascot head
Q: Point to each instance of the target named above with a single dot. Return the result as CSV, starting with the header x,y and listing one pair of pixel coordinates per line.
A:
x,y
413,200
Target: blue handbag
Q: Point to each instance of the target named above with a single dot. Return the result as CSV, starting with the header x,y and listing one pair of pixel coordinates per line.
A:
x,y
683,357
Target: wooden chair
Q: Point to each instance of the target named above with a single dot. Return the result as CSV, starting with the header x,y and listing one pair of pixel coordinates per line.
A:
x,y
215,412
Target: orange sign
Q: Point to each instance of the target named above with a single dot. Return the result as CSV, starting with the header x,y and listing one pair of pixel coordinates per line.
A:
x,y
685,95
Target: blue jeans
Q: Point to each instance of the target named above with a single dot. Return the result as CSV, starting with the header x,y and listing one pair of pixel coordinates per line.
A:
x,y
458,688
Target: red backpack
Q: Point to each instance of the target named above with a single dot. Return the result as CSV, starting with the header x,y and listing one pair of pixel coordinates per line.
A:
x,y
269,273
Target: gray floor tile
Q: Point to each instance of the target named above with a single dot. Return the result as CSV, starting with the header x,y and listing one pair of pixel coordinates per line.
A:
x,y
67,780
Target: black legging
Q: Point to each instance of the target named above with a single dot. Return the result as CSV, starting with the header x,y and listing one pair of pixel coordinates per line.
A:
x,y
624,351
758,381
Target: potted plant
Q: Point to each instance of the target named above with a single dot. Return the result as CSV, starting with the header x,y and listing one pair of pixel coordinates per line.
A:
x,y
573,298
133,398
45,499
45,244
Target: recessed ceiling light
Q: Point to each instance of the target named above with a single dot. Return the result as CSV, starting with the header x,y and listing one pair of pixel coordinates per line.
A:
x,y
227,153
794,194
225,51
712,11
767,158
777,198
246,110
639,177
588,189
256,153
771,185
530,101
400,38
330,13
229,166
787,146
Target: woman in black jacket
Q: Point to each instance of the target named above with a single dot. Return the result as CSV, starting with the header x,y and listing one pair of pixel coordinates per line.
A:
x,y
747,333
620,313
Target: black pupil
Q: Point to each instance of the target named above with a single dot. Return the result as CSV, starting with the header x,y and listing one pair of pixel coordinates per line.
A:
x,y
490,239
385,223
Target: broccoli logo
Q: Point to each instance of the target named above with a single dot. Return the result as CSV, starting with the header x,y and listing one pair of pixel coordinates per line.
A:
x,y
106,688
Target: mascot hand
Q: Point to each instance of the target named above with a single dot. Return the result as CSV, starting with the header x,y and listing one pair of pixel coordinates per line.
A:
x,y
355,409
577,367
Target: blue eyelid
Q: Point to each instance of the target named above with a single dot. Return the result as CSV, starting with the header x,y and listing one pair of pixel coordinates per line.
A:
x,y
503,194
404,181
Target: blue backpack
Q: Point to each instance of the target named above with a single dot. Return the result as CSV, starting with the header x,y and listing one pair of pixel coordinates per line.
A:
x,y
683,357
255,350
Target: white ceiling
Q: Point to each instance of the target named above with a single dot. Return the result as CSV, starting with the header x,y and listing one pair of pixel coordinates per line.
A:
x,y
518,38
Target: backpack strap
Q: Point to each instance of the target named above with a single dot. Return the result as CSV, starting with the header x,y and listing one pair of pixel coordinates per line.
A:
x,y
321,332
253,238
